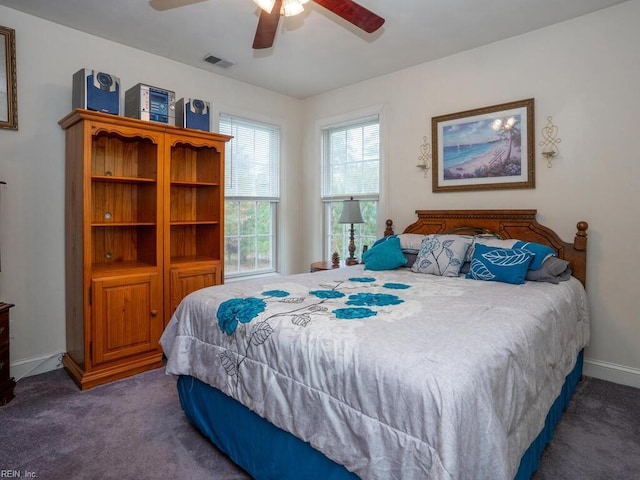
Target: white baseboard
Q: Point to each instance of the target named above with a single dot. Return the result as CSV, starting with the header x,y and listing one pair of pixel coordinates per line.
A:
x,y
612,372
36,365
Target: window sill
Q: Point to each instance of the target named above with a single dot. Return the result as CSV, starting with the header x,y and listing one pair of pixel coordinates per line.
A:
x,y
240,278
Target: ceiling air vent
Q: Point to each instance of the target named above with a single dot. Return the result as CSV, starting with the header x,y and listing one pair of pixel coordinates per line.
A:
x,y
218,62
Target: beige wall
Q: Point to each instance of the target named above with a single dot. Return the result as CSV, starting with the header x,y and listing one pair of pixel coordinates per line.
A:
x,y
32,164
584,73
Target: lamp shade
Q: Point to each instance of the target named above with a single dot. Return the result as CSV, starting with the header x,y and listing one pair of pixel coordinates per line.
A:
x,y
351,212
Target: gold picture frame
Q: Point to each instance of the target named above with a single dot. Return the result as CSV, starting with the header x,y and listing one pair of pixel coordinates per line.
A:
x,y
490,148
8,82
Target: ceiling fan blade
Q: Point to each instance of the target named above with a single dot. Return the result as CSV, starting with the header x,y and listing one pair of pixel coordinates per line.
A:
x,y
267,27
353,13
162,5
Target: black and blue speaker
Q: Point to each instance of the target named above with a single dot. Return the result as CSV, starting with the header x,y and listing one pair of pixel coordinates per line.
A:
x,y
193,113
98,91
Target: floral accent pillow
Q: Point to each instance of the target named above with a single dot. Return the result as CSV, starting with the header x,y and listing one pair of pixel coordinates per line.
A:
x,y
442,255
508,265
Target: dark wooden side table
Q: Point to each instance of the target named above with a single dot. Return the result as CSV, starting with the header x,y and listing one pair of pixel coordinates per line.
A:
x,y
326,265
7,383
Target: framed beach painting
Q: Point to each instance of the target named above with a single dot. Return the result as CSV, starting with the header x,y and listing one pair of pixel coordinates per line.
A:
x,y
487,148
8,94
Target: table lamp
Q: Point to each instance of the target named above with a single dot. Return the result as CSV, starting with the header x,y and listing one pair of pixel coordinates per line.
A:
x,y
351,214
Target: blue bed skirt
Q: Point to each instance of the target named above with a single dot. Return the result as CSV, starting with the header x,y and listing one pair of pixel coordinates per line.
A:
x,y
269,453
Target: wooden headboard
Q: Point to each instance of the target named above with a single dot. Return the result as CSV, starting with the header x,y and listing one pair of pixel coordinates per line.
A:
x,y
517,224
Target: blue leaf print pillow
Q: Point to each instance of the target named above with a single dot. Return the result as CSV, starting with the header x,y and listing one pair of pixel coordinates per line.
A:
x,y
508,265
540,252
442,255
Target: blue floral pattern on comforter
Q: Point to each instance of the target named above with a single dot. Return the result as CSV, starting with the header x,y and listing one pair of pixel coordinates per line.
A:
x,y
252,314
390,374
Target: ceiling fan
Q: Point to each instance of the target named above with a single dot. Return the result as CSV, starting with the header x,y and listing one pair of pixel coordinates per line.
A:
x,y
162,5
271,10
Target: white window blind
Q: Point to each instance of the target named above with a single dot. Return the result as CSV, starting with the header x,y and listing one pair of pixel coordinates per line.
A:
x,y
350,168
351,160
252,191
252,159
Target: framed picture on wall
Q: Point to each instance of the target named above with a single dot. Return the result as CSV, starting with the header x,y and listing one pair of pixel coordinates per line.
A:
x,y
488,148
8,83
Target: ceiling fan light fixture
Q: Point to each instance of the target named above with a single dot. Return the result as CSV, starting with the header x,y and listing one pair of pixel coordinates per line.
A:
x,y
349,10
266,5
291,8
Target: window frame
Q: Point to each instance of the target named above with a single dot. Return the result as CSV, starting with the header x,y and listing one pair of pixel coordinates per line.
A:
x,y
272,200
373,115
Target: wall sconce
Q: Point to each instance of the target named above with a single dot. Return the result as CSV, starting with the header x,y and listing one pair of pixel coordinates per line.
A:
x,y
550,143
351,214
424,159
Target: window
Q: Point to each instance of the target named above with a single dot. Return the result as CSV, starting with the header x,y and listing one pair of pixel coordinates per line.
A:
x,y
351,168
252,192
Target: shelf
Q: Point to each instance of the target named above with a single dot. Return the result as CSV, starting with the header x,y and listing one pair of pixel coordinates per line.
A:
x,y
193,259
124,203
123,224
188,223
195,165
120,244
111,178
108,269
116,157
195,240
186,183
193,204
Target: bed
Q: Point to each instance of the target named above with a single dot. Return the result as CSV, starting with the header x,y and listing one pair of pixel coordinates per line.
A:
x,y
375,372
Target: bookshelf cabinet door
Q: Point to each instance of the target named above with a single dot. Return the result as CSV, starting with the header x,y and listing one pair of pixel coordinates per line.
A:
x,y
184,280
127,317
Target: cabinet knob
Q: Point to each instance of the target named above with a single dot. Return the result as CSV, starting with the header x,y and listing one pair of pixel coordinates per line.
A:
x,y
154,313
1,365
1,330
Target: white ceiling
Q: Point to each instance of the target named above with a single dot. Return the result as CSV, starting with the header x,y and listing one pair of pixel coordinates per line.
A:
x,y
315,51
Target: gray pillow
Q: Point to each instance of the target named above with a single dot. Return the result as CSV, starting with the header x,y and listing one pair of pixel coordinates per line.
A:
x,y
411,258
553,270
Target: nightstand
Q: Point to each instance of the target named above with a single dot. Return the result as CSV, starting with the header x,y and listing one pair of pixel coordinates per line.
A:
x,y
6,381
327,265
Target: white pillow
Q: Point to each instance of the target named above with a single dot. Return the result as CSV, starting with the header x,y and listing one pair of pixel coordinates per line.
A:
x,y
411,242
489,241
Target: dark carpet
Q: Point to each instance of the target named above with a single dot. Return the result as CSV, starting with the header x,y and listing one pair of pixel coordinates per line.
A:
x,y
135,429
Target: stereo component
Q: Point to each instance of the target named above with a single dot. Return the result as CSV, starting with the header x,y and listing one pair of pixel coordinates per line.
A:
x,y
150,103
94,90
193,113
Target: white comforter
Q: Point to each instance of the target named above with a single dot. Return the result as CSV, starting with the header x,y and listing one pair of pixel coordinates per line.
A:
x,y
393,374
